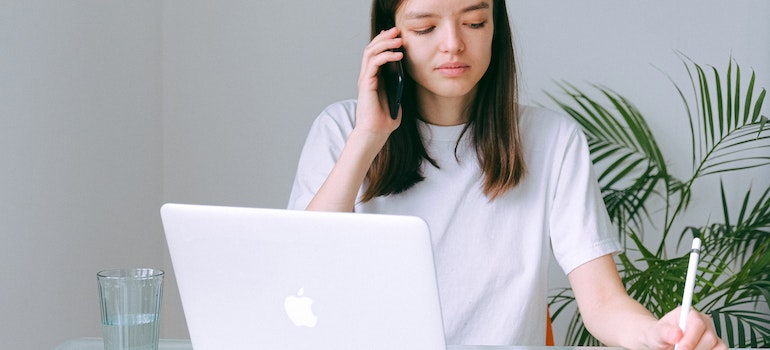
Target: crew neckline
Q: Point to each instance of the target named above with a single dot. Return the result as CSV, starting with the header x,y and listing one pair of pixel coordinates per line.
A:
x,y
439,132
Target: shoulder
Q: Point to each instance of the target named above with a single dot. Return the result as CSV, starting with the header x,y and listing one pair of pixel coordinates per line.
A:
x,y
336,120
545,130
532,117
342,112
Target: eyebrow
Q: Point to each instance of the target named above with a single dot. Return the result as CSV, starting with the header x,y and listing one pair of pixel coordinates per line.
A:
x,y
417,15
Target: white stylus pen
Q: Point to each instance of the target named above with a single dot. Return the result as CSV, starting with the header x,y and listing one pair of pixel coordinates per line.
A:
x,y
689,283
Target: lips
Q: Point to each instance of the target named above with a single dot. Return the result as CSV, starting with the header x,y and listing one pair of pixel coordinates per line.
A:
x,y
453,68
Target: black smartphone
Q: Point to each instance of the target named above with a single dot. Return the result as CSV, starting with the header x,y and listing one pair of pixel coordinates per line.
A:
x,y
393,74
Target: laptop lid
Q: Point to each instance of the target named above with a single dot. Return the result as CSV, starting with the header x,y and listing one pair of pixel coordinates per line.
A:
x,y
253,278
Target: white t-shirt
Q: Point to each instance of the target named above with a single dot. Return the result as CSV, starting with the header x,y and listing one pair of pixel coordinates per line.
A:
x,y
491,257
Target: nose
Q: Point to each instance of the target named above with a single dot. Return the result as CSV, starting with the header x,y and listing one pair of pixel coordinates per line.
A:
x,y
452,41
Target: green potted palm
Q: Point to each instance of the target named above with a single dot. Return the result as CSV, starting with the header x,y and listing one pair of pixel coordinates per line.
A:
x,y
728,134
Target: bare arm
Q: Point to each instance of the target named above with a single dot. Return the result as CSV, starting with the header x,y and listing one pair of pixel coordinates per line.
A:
x,y
373,127
618,320
339,191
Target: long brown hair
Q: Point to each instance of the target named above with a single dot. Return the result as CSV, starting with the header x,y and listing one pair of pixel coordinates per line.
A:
x,y
493,122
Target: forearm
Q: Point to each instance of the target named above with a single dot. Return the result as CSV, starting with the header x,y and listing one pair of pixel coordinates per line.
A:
x,y
619,321
340,189
608,312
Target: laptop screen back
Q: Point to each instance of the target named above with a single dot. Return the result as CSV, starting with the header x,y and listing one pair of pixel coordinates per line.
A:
x,y
281,279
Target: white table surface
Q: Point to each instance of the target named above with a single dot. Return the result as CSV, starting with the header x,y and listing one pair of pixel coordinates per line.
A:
x,y
98,344
184,344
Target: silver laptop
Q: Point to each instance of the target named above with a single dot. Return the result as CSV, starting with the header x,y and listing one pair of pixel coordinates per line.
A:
x,y
280,279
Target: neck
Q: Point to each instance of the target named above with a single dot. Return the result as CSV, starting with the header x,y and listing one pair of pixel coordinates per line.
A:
x,y
445,111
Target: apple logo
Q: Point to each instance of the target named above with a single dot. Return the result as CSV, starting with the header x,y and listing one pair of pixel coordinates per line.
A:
x,y
299,309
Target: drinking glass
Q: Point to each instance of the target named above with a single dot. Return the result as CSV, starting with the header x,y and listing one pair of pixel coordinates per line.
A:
x,y
130,307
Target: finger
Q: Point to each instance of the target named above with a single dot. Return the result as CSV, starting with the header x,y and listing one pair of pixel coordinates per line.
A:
x,y
708,337
388,33
669,334
699,333
387,40
709,341
692,332
666,333
386,47
379,51
368,78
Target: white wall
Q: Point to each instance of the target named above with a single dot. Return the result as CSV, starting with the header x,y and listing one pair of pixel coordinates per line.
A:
x,y
80,142
242,82
109,108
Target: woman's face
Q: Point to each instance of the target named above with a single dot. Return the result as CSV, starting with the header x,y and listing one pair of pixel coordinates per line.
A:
x,y
448,45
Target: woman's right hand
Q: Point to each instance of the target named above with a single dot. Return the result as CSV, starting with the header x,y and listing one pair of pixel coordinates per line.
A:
x,y
372,111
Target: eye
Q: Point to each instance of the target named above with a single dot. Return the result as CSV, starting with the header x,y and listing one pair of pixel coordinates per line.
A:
x,y
477,25
423,31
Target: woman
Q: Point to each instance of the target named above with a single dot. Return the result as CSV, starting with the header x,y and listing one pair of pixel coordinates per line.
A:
x,y
499,186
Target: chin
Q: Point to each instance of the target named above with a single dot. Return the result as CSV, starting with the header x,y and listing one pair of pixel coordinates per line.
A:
x,y
459,92
449,88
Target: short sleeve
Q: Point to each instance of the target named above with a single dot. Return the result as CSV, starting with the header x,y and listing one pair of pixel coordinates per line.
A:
x,y
323,145
580,226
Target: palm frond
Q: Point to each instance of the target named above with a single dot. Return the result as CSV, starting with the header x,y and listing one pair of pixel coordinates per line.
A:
x,y
728,134
747,328
726,129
